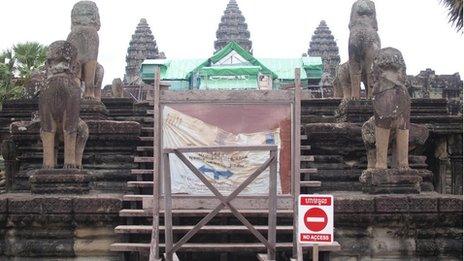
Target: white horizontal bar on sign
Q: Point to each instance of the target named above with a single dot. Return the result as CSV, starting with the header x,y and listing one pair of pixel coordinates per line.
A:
x,y
315,219
221,148
210,202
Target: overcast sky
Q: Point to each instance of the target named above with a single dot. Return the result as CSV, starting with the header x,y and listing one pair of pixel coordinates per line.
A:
x,y
187,28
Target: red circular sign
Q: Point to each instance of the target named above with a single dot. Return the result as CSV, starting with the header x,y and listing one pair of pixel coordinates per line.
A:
x,y
315,219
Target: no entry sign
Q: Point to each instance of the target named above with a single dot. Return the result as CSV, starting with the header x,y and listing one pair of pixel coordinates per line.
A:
x,y
315,219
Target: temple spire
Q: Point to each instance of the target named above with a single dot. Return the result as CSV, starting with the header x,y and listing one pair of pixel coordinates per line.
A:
x,y
233,28
323,45
142,46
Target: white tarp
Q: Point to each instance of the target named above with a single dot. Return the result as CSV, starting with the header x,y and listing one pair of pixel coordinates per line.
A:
x,y
226,171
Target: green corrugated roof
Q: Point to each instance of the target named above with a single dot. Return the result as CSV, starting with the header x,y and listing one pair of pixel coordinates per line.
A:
x,y
285,67
176,69
247,83
281,68
233,46
230,70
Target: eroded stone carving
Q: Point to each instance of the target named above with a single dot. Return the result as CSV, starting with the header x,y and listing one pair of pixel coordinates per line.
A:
x,y
392,106
418,135
35,84
59,105
99,74
342,82
85,23
117,88
364,42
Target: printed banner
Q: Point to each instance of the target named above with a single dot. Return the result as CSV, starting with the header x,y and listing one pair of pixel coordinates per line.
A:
x,y
225,170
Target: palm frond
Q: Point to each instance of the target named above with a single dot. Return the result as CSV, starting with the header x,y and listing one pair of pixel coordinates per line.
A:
x,y
454,12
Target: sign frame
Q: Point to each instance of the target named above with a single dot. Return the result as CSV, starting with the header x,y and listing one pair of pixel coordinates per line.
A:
x,y
315,211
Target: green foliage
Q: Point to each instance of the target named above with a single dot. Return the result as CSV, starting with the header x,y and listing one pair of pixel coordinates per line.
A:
x,y
29,56
16,66
454,12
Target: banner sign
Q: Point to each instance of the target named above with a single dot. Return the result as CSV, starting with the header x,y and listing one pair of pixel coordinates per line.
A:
x,y
225,170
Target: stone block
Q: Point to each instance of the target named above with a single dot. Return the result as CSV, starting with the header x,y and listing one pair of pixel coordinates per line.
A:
x,y
388,181
355,110
450,204
423,204
93,110
59,181
349,205
97,205
39,205
392,204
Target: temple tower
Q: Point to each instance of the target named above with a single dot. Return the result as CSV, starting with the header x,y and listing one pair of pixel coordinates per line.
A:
x,y
233,28
142,46
323,45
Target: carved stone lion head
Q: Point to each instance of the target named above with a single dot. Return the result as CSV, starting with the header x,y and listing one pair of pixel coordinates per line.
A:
x,y
365,7
389,59
85,13
61,58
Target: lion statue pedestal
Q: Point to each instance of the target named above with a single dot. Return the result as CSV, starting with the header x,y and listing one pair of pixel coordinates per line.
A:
x,y
391,181
59,181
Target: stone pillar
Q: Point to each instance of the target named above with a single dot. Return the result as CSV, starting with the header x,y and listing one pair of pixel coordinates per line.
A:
x,y
456,174
455,152
9,153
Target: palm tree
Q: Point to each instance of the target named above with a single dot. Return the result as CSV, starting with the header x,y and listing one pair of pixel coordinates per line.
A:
x,y
29,56
17,65
454,12
6,74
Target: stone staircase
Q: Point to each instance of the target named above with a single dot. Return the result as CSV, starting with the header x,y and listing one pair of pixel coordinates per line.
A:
x,y
228,238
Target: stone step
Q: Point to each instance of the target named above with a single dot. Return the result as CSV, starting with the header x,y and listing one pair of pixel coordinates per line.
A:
x,y
146,138
140,184
133,213
310,184
135,197
308,171
216,247
142,171
150,112
146,229
145,148
143,159
148,129
148,120
150,148
307,158
203,212
202,247
149,184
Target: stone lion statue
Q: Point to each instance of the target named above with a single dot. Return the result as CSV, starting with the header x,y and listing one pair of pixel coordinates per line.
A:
x,y
392,106
85,23
342,82
364,42
117,88
98,81
59,106
418,135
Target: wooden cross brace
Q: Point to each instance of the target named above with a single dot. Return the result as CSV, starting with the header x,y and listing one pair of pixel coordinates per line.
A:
x,y
225,202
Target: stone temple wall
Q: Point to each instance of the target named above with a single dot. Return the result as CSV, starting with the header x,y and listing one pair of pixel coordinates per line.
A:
x,y
406,227
393,227
74,227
